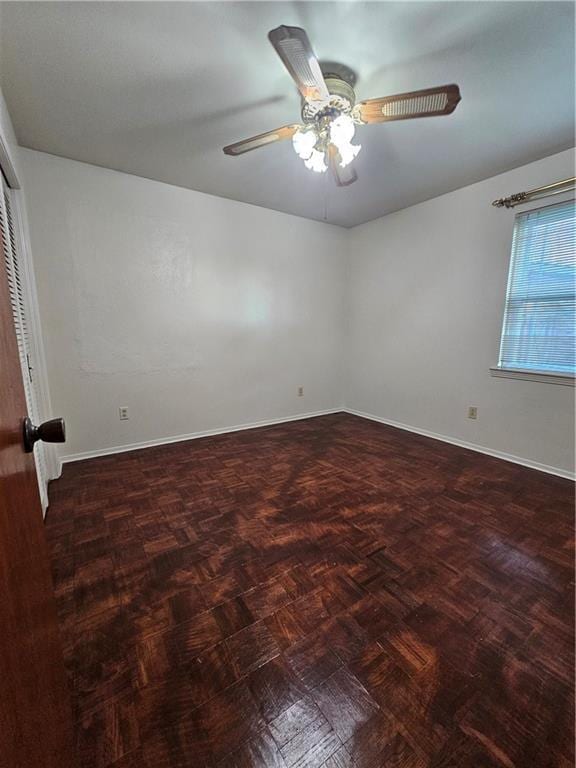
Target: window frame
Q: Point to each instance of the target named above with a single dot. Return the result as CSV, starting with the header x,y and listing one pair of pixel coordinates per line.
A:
x,y
527,374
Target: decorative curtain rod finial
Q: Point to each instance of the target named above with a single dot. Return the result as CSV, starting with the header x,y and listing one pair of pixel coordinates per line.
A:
x,y
510,202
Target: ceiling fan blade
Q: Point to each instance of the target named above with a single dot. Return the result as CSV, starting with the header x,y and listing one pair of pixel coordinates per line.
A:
x,y
342,176
254,142
293,47
405,106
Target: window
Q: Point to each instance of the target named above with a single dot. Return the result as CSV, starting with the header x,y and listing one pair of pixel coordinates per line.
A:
x,y
538,334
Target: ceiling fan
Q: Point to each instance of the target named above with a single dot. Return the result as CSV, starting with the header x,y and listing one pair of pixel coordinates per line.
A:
x,y
330,113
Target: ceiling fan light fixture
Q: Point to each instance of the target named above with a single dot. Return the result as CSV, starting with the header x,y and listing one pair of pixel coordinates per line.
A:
x,y
342,131
347,153
304,141
330,112
316,162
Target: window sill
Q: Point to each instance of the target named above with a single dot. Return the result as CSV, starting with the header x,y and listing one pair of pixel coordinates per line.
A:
x,y
565,379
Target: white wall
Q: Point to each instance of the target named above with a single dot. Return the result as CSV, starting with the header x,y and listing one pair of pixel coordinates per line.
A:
x,y
199,313
7,132
195,312
426,290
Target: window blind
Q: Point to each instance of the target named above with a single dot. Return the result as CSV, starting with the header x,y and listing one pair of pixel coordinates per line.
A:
x,y
538,333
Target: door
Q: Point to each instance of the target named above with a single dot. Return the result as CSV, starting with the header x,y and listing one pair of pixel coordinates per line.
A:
x,y
35,712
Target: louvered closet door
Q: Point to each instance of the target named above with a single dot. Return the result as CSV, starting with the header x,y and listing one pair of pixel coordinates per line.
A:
x,y
18,299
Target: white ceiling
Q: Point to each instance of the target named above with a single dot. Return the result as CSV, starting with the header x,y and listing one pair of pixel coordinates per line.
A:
x,y
156,89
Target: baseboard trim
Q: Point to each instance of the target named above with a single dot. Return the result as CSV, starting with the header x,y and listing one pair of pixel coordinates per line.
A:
x,y
464,444
313,414
192,436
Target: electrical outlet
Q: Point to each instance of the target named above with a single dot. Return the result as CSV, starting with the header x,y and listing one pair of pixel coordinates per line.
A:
x,y
472,412
123,413
300,391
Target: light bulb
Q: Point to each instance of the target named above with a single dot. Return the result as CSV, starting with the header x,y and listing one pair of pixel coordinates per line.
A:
x,y
347,153
316,162
341,134
304,143
342,130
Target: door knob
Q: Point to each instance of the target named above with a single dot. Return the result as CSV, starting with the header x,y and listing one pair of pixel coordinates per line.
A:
x,y
53,431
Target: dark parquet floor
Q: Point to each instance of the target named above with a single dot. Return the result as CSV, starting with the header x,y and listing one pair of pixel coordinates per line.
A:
x,y
329,592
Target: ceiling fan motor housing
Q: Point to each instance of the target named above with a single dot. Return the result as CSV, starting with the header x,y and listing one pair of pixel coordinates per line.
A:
x,y
342,99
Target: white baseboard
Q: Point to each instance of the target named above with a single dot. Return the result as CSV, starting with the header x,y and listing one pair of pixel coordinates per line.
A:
x,y
464,444
192,436
285,419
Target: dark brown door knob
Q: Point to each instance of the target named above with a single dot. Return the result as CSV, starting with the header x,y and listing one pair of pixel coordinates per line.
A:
x,y
53,431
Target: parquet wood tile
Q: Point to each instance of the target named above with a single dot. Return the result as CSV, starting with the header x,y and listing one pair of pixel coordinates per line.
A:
x,y
339,759
293,720
275,688
312,660
251,648
259,752
232,616
369,741
311,746
345,703
327,593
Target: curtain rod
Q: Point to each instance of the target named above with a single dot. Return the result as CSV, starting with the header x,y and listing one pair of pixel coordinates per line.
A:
x,y
534,194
